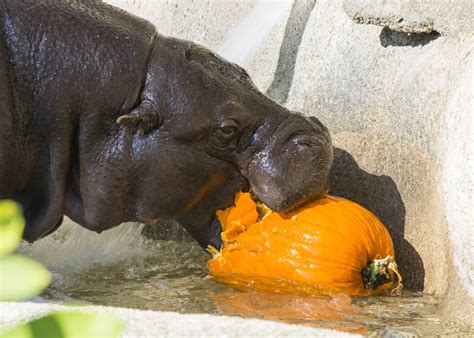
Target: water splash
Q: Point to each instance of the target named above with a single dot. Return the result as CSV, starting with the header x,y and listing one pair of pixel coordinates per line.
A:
x,y
242,41
74,248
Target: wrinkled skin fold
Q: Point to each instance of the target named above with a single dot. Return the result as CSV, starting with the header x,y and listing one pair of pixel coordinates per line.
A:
x,y
105,120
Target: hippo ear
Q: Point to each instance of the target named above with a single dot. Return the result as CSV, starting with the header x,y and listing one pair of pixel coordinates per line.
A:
x,y
142,119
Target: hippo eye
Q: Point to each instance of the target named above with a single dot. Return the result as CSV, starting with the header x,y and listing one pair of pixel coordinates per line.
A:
x,y
224,136
228,128
227,131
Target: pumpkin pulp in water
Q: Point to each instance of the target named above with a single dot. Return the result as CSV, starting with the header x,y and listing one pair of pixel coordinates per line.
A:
x,y
328,246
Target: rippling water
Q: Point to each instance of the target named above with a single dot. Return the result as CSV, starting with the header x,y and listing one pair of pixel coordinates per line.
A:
x,y
171,276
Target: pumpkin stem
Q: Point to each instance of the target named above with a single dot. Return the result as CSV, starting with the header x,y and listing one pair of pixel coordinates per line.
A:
x,y
378,273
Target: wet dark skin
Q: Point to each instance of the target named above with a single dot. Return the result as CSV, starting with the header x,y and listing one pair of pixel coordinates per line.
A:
x,y
104,120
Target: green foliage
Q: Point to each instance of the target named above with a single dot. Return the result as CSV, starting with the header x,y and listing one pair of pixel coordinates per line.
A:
x,y
11,226
70,325
22,277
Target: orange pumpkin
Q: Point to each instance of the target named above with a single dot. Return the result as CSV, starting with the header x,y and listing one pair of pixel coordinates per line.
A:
x,y
331,245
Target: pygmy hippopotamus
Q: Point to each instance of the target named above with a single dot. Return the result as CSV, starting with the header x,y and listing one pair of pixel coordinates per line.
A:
x,y
105,120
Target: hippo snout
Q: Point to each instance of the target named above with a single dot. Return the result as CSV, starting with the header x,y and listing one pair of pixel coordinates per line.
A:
x,y
294,167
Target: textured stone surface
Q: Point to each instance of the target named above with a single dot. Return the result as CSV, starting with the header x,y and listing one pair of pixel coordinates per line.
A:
x,y
445,17
388,15
141,323
457,189
203,22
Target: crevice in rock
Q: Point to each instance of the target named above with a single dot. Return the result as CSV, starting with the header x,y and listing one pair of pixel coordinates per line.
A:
x,y
283,78
389,37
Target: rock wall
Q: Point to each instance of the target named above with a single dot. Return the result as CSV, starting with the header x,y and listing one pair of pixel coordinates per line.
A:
x,y
393,82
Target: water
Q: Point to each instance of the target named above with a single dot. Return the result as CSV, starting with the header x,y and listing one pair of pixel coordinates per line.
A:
x,y
126,270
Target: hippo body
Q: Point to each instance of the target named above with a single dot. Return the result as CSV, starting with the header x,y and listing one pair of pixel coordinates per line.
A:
x,y
105,120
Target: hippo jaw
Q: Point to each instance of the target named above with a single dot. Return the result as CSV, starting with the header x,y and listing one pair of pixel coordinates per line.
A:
x,y
293,167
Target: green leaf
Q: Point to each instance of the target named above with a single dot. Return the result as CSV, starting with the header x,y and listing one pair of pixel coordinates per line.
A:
x,y
12,224
69,325
21,277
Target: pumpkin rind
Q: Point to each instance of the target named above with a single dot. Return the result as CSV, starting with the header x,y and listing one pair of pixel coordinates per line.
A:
x,y
321,248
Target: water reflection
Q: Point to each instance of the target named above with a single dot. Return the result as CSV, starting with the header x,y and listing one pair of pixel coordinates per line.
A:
x,y
172,277
336,312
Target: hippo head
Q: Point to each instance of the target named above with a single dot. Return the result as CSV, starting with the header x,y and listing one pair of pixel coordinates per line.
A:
x,y
206,132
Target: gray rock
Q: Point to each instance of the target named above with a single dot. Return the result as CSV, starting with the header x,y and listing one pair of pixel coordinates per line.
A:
x,y
139,323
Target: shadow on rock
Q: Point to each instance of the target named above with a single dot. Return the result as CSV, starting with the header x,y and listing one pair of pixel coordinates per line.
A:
x,y
389,37
380,195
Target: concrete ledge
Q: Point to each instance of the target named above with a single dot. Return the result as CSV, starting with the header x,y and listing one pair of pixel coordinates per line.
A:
x,y
169,324
364,12
414,17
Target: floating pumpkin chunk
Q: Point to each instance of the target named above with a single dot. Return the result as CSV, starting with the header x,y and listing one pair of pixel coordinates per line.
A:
x,y
331,245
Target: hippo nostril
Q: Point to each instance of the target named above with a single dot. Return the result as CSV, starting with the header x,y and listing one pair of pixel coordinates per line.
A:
x,y
306,140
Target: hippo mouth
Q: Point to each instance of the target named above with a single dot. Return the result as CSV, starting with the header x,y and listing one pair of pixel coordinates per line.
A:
x,y
295,204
